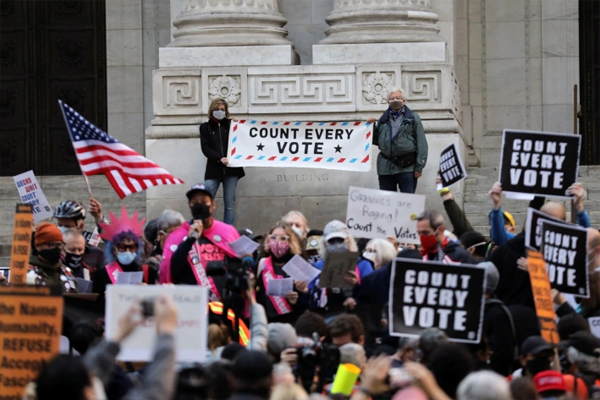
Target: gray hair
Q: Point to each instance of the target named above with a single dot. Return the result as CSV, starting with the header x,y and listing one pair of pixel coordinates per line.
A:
x,y
168,219
435,218
429,340
396,89
585,363
484,385
384,251
353,353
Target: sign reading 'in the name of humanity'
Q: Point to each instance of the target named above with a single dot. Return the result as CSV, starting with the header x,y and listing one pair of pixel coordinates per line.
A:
x,y
434,295
539,163
343,146
380,214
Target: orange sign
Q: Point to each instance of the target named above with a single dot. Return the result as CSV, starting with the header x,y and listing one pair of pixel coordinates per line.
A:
x,y
29,334
544,306
21,244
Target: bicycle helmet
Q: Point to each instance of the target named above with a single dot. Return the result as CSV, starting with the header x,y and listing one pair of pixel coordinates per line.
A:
x,y
70,209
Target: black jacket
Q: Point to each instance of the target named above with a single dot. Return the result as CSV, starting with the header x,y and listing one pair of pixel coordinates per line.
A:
x,y
214,138
456,254
498,326
514,286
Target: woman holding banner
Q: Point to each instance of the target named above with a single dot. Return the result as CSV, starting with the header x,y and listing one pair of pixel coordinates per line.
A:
x,y
214,139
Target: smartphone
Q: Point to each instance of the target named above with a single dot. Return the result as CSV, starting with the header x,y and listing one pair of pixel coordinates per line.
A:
x,y
147,308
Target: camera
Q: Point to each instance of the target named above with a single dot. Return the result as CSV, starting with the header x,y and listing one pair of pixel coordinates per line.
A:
x,y
147,308
323,355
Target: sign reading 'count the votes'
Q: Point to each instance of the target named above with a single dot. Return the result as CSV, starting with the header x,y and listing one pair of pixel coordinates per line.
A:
x,y
380,214
538,162
343,146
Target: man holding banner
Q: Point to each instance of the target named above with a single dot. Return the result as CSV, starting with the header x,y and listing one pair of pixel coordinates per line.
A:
x,y
401,139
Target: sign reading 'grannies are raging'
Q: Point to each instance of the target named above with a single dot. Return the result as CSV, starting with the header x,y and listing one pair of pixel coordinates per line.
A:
x,y
538,162
343,146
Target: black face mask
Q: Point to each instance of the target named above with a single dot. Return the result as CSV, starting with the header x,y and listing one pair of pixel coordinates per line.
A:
x,y
200,211
538,365
50,255
72,261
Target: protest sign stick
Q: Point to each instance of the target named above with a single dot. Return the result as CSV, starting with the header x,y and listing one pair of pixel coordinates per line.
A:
x,y
573,219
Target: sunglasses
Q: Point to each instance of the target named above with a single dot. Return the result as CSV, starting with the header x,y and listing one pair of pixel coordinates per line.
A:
x,y
336,240
279,238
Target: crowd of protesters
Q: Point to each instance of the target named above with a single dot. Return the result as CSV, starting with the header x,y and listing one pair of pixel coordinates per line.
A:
x,y
289,347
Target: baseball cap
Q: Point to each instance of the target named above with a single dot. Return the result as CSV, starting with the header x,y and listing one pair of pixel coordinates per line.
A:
x,y
335,229
510,218
534,345
586,343
251,366
549,380
199,187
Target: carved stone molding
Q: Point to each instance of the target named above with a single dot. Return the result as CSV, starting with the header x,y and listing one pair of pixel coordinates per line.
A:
x,y
230,84
430,87
177,92
373,85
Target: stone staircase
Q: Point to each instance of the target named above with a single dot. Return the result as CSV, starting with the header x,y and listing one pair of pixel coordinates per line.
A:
x,y
477,203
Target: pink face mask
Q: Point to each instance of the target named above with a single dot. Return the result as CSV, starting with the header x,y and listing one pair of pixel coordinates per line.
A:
x,y
279,249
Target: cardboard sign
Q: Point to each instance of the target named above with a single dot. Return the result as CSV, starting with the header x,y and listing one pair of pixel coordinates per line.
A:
x,y
192,322
380,214
533,227
564,249
434,295
31,193
594,323
540,163
343,146
31,324
544,305
336,267
21,244
452,169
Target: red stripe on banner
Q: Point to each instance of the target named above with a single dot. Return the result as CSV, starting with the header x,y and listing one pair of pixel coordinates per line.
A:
x,y
365,160
318,159
295,158
233,151
309,123
341,160
235,127
264,122
242,121
286,123
333,123
249,157
368,134
272,158
357,123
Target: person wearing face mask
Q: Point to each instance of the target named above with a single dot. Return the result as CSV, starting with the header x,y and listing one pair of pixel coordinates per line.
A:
x,y
280,245
124,252
400,136
380,252
214,139
199,247
536,356
435,246
298,222
46,267
73,252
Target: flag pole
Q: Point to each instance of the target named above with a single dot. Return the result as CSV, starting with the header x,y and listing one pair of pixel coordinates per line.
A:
x,y
87,182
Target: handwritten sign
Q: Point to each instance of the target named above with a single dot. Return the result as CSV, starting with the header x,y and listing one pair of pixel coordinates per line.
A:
x,y
594,323
31,193
544,305
32,321
21,244
380,214
452,169
336,267
343,146
192,323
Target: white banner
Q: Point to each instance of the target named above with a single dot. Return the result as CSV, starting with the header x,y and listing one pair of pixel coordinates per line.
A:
x,y
192,321
344,146
381,214
30,192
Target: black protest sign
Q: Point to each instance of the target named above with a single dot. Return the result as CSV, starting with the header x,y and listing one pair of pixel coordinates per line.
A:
x,y
539,163
564,249
431,294
452,169
533,228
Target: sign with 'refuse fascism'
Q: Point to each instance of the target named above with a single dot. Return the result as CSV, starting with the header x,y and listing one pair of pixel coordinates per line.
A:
x,y
21,244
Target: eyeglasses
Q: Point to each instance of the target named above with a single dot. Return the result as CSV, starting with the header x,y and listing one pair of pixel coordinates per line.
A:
x,y
279,238
127,247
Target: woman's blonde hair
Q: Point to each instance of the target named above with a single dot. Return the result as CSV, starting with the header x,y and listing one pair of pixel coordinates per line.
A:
x,y
295,244
288,391
216,337
299,215
215,103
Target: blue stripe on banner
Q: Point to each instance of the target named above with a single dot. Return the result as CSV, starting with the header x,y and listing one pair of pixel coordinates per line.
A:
x,y
353,160
330,159
234,139
345,123
306,159
367,146
275,123
238,157
298,123
261,157
283,159
252,122
321,123
368,124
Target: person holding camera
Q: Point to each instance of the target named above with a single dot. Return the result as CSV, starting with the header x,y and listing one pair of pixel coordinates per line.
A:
x,y
197,253
281,244
400,136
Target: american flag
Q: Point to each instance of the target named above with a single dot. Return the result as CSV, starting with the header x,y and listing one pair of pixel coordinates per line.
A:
x,y
99,153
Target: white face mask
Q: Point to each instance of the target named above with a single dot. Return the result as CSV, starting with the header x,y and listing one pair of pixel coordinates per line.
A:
x,y
369,255
219,114
298,231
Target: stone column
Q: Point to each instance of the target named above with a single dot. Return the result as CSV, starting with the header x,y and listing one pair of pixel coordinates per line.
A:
x,y
381,21
208,23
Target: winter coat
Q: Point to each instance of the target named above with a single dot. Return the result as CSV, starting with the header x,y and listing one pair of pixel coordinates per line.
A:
x,y
214,139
